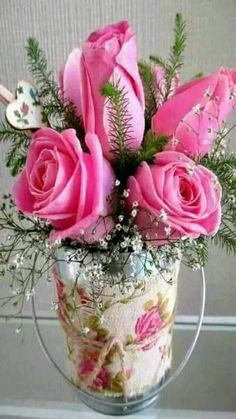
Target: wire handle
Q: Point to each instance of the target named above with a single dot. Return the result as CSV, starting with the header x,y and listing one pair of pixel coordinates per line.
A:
x,y
5,95
155,391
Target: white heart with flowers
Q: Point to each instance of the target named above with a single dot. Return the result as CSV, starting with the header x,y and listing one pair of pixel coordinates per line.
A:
x,y
25,112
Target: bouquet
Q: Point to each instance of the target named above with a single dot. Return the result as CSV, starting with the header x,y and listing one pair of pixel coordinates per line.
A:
x,y
122,171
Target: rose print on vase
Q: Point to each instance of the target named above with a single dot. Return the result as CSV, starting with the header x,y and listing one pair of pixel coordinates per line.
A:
x,y
148,324
60,295
102,380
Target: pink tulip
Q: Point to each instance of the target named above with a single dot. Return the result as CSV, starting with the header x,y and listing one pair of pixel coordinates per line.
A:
x,y
66,186
176,198
197,111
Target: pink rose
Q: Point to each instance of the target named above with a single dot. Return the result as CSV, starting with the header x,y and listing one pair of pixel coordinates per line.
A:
x,y
66,186
109,54
147,325
176,198
196,112
70,80
103,379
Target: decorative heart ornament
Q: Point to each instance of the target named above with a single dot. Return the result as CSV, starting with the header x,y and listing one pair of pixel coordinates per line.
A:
x,y
25,112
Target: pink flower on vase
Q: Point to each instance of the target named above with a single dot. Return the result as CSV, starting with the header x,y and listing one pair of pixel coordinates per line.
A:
x,y
103,379
85,298
176,198
148,324
67,186
60,294
196,113
60,289
108,55
24,108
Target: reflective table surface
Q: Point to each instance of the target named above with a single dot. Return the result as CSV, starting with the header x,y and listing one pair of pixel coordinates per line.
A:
x,y
30,387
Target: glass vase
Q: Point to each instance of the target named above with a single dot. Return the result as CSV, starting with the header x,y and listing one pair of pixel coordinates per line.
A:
x,y
118,335
119,339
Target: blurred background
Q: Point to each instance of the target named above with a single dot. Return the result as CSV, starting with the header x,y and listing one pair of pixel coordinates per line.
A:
x,y
61,25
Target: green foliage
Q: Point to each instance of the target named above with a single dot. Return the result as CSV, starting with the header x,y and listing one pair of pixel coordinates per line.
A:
x,y
119,119
198,75
171,65
178,47
175,59
224,167
202,250
120,134
195,251
23,253
56,113
46,84
158,60
146,74
111,91
152,144
16,155
226,238
72,120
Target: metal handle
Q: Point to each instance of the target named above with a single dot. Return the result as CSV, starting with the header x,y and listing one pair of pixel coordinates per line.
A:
x,y
195,339
151,393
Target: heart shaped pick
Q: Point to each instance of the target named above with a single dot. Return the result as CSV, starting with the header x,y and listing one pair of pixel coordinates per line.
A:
x,y
25,112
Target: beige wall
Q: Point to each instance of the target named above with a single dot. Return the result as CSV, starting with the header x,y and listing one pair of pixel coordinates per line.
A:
x,y
61,25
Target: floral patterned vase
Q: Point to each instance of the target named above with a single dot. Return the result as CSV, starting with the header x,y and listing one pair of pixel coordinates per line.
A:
x,y
119,341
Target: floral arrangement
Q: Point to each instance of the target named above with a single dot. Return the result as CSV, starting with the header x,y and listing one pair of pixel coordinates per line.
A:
x,y
117,159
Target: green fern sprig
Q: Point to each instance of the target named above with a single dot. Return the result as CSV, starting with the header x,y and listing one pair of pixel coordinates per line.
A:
x,y
120,134
119,119
19,143
158,60
226,238
224,167
175,59
57,113
46,84
177,49
7,131
146,74
201,249
151,145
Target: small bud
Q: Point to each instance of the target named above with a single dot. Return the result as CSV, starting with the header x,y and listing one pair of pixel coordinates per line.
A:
x,y
126,193
163,215
134,213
